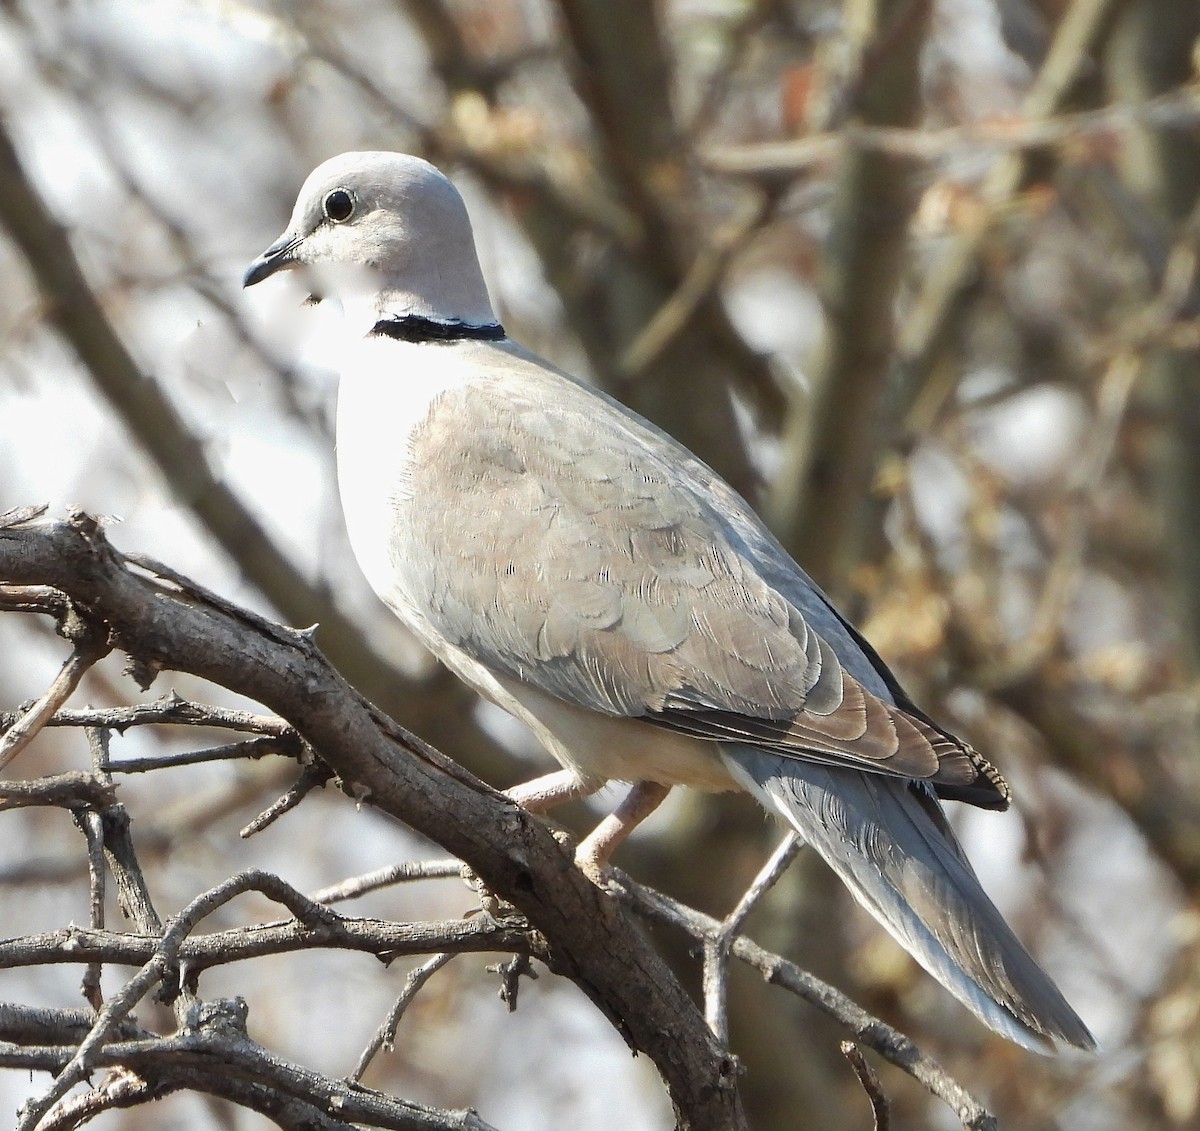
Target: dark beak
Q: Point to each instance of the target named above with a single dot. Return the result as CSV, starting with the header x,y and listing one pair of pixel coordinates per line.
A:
x,y
275,258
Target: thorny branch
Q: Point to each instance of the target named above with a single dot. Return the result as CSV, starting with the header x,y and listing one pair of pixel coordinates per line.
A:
x,y
386,941
212,1053
162,966
514,854
167,710
173,956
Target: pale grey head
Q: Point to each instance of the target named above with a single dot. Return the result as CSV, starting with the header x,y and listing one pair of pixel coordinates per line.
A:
x,y
396,215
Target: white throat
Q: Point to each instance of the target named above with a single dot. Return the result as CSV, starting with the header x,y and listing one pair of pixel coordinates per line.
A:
x,y
386,392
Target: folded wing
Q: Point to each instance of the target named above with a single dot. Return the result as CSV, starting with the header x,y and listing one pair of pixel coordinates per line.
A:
x,y
581,556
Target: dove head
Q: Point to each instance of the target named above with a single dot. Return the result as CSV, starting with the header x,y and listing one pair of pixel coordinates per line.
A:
x,y
388,227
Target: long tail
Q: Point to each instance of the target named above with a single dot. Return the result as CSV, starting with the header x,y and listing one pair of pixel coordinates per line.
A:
x,y
898,856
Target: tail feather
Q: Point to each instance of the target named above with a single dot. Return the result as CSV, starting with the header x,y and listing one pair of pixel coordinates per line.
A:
x,y
895,852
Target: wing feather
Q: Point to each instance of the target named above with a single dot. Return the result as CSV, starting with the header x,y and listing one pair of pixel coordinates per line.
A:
x,y
582,553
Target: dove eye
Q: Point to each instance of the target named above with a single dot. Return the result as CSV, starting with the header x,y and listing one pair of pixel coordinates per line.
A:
x,y
339,206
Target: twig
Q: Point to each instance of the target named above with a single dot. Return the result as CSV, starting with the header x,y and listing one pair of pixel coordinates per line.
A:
x,y
158,835
385,877
311,777
716,946
867,1077
20,516
168,710
286,745
72,790
158,967
132,892
37,1025
511,973
92,828
119,1089
212,1053
89,648
385,1035
99,741
33,599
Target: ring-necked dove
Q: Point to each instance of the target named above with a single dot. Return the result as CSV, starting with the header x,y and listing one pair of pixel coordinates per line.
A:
x,y
581,569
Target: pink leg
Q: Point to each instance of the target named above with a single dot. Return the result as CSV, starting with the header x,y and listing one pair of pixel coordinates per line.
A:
x,y
593,853
549,790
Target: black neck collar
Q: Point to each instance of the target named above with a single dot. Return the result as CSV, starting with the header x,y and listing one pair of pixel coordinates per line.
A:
x,y
415,328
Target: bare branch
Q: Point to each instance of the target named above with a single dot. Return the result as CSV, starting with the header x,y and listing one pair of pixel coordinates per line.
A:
x,y
89,648
90,825
513,853
159,966
311,777
385,940
385,1035
212,1053
286,746
386,877
119,1089
511,972
34,1025
73,790
33,599
132,892
19,516
716,946
880,1107
167,710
